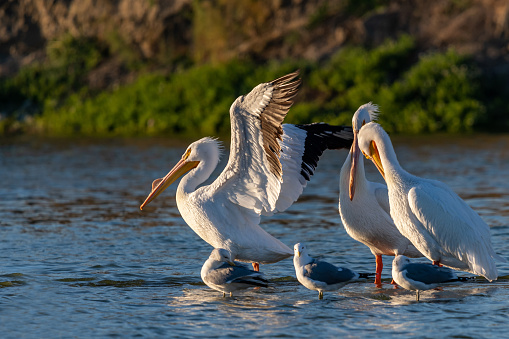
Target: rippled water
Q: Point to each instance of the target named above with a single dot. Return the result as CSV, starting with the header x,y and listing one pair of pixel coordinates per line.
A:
x,y
79,259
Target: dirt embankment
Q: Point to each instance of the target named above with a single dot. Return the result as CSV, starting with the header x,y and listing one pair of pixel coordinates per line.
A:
x,y
214,31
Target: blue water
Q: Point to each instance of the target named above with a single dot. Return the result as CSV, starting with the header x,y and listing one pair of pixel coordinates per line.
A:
x,y
79,259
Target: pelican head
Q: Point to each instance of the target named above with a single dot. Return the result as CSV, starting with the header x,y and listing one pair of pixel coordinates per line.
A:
x,y
364,114
367,144
206,150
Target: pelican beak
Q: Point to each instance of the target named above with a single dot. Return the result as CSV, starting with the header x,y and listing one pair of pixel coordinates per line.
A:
x,y
159,185
375,157
353,168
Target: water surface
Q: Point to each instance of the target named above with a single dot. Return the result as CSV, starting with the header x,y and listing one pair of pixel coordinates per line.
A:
x,y
79,259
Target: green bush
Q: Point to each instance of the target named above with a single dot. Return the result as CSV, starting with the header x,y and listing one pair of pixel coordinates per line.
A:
x,y
435,92
69,61
195,101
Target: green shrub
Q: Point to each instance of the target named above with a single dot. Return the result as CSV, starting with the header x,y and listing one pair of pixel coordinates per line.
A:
x,y
195,101
435,92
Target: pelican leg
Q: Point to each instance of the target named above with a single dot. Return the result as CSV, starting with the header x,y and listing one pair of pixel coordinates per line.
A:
x,y
256,266
378,271
320,295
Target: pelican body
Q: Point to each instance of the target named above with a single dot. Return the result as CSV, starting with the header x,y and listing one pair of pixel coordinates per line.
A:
x,y
419,276
268,167
434,218
220,273
364,205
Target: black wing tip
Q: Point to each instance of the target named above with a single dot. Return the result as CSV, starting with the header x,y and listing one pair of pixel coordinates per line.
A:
x,y
320,137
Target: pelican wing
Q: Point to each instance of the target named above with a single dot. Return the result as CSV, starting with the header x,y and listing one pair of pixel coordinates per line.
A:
x,y
301,149
252,178
454,225
382,196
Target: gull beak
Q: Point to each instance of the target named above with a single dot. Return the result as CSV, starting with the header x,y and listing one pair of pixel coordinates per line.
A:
x,y
231,263
375,157
298,254
353,167
159,185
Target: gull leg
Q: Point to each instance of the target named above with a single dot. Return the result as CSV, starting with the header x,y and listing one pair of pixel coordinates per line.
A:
x,y
437,263
378,273
417,295
256,266
394,283
320,295
231,294
224,295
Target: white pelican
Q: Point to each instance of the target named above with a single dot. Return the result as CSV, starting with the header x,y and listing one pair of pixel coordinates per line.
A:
x,y
226,213
220,273
366,217
434,218
320,275
419,276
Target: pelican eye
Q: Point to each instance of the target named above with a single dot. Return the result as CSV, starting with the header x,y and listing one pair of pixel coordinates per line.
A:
x,y
187,154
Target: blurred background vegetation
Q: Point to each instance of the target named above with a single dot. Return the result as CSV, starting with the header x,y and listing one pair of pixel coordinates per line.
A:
x,y
148,67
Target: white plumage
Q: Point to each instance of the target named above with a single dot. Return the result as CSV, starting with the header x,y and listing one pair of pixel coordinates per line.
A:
x,y
434,218
364,205
226,213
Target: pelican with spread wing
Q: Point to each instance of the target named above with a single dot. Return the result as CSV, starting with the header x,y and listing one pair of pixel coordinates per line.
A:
x,y
268,167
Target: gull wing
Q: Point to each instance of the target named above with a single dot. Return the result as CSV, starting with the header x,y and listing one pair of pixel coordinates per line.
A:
x,y
428,273
328,273
227,274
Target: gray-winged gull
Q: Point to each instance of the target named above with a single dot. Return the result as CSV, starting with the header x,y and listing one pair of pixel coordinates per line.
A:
x,y
320,275
220,273
419,276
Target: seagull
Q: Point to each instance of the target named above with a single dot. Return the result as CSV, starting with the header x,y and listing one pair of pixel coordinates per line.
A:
x,y
434,218
320,275
420,276
220,273
262,176
366,217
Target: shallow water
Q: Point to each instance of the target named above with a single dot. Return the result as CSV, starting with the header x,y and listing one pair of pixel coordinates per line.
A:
x,y
79,259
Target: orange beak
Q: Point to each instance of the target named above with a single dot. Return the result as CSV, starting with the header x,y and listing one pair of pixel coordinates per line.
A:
x,y
159,185
375,157
353,168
